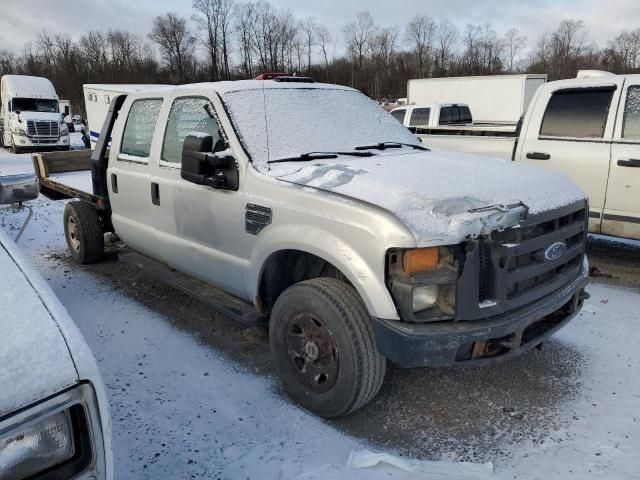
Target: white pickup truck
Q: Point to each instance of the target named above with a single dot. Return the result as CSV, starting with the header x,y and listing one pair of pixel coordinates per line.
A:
x,y
308,206
585,128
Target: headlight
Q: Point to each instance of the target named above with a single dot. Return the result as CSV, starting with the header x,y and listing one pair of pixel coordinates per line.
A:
x,y
422,282
64,130
19,130
61,435
32,448
424,297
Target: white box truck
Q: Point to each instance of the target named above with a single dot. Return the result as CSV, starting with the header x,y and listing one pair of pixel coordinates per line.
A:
x,y
97,100
31,117
501,99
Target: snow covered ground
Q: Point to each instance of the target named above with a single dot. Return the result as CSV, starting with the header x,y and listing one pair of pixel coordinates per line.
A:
x,y
184,408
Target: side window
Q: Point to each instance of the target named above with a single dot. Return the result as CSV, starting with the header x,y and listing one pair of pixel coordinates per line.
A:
x,y
419,117
631,121
141,123
445,115
464,115
187,115
578,113
399,115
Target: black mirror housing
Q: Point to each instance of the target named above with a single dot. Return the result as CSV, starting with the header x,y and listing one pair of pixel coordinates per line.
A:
x,y
203,167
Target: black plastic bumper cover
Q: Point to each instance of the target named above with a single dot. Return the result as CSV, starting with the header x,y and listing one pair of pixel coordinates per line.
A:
x,y
439,344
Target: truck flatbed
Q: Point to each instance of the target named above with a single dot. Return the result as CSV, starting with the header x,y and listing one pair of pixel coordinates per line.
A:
x,y
66,175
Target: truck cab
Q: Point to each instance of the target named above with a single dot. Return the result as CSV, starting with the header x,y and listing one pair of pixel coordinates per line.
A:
x,y
31,115
419,118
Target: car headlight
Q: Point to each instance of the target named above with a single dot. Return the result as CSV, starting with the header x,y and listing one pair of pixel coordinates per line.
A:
x,y
35,447
61,435
19,130
423,282
64,130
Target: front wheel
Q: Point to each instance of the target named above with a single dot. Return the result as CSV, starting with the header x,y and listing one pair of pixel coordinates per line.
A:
x,y
322,340
83,232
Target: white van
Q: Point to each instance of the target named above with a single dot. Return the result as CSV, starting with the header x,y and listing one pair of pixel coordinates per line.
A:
x,y
31,115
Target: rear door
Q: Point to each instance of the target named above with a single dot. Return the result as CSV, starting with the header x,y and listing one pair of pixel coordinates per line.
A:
x,y
129,176
622,209
570,132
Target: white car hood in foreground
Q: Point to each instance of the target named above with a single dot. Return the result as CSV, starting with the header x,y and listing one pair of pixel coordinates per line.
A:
x,y
432,192
34,356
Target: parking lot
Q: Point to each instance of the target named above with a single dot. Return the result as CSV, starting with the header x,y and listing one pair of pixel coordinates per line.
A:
x,y
194,393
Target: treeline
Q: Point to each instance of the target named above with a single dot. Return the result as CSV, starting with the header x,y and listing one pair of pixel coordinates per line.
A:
x,y
228,39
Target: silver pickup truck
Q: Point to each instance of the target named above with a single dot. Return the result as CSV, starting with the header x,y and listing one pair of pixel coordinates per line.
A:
x,y
308,206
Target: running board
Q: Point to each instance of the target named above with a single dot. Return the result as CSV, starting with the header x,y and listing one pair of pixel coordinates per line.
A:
x,y
216,298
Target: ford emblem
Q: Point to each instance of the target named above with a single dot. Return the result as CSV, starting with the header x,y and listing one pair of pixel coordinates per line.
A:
x,y
555,251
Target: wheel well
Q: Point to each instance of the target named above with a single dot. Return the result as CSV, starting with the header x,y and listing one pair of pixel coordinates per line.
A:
x,y
286,267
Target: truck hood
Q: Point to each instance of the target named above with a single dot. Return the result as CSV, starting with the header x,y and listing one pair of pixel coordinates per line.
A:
x,y
441,197
35,358
50,116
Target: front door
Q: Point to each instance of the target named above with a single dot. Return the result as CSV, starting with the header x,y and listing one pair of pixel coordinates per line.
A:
x,y
574,138
622,209
201,228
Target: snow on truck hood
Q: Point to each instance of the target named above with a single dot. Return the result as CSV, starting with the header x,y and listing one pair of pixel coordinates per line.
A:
x,y
432,193
35,359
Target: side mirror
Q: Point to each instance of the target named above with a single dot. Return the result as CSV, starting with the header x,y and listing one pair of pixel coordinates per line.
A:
x,y
203,167
18,188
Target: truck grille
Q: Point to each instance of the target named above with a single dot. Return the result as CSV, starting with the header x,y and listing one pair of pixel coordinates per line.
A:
x,y
43,128
525,263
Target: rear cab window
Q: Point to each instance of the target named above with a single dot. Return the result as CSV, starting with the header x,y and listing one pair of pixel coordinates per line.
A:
x,y
139,129
577,113
188,115
454,114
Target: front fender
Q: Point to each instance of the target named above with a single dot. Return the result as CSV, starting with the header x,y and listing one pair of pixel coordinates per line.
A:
x,y
367,277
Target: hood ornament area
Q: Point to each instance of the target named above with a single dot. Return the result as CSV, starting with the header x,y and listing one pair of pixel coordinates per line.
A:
x,y
555,251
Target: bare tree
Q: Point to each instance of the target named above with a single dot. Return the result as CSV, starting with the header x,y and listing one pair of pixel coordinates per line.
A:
x,y
214,18
446,38
514,44
324,39
419,35
177,44
309,27
358,37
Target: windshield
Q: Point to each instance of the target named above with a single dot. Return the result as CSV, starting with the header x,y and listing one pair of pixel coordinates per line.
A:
x,y
282,122
35,105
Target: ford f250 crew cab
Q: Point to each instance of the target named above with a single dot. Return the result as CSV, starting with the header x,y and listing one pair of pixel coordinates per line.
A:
x,y
588,129
309,206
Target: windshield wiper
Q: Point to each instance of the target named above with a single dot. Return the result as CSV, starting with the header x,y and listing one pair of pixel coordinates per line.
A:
x,y
309,156
385,145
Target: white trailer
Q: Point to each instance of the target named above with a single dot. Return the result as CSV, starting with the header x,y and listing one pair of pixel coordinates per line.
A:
x,y
492,99
97,98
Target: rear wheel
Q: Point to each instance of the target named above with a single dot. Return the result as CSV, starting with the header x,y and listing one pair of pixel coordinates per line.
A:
x,y
83,232
322,341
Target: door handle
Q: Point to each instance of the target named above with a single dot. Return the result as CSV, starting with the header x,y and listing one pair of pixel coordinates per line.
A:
x,y
630,162
114,183
155,193
538,156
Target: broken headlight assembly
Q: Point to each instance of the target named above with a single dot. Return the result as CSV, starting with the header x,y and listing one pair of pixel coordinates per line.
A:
x,y
60,437
422,282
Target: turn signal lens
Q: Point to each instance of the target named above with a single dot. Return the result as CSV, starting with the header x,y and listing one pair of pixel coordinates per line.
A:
x,y
420,259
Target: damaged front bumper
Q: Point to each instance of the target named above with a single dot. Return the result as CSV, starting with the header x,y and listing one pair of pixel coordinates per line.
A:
x,y
480,341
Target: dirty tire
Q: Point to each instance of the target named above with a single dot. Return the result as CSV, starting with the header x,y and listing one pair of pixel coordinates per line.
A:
x,y
328,312
83,232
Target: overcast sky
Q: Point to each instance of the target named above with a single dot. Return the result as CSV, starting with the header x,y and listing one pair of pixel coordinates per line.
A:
x,y
22,20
